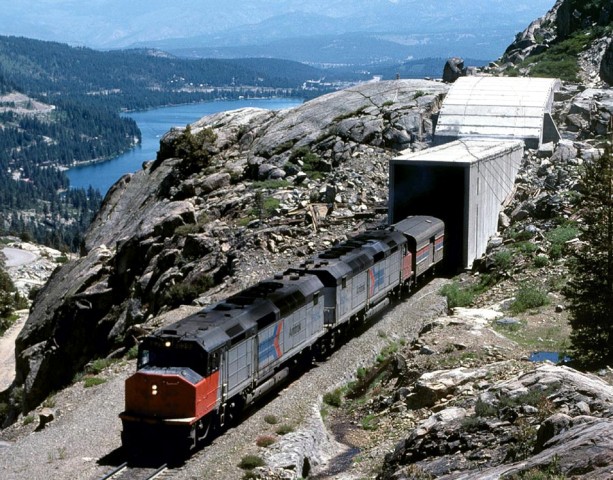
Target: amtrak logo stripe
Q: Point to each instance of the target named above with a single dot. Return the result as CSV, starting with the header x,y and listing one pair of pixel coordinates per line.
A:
x,y
270,346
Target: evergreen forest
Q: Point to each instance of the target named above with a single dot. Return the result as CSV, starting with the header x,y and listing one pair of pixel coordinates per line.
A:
x,y
61,105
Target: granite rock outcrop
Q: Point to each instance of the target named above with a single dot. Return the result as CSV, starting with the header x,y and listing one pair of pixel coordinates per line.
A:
x,y
264,189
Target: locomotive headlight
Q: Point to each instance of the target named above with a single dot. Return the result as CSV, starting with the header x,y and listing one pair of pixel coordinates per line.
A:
x,y
167,344
154,389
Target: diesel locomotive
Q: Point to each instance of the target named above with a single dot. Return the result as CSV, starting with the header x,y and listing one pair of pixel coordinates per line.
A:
x,y
196,374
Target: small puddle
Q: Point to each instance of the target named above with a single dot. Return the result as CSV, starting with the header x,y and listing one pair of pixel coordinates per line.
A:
x,y
344,460
338,464
553,357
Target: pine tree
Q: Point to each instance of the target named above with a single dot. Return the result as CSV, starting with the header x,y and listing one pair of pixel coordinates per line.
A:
x,y
590,290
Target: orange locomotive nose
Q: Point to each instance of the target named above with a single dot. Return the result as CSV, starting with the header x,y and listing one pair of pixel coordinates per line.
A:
x,y
170,396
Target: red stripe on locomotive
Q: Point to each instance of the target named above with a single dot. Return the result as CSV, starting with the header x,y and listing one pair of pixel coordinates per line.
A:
x,y
407,264
439,242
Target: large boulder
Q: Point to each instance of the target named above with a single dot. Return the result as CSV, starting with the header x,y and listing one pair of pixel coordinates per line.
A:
x,y
606,64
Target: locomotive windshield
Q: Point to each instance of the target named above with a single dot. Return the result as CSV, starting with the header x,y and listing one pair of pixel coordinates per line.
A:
x,y
162,353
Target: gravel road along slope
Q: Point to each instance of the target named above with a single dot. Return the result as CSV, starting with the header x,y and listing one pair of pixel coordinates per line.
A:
x,y
88,429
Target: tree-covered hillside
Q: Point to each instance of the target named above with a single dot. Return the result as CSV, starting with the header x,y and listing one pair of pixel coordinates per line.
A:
x,y
61,105
136,79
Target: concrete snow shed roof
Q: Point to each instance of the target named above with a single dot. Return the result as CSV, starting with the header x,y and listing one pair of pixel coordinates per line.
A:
x,y
463,151
496,107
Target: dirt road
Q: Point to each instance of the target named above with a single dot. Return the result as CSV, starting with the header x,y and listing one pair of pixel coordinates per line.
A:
x,y
7,351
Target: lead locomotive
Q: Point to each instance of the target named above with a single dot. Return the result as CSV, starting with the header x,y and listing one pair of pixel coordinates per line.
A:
x,y
200,371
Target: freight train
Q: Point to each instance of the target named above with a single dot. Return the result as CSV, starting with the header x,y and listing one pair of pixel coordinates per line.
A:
x,y
195,375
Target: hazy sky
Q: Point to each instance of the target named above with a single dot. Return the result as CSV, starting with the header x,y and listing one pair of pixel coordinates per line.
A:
x,y
112,23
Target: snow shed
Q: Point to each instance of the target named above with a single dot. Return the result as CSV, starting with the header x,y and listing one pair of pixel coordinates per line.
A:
x,y
499,107
464,183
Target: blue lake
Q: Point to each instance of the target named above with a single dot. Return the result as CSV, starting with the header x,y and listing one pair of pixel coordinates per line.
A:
x,y
153,125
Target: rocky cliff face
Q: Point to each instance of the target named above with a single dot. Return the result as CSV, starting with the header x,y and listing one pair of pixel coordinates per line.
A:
x,y
257,190
557,36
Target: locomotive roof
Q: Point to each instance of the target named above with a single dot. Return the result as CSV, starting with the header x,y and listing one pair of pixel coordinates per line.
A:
x,y
232,319
356,254
420,227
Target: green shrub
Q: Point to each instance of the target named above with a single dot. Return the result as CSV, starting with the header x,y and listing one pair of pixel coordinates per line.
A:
x,y
387,352
541,261
559,236
528,296
264,207
28,420
132,353
49,402
456,295
249,462
61,259
271,419
96,366
184,293
284,429
503,259
483,409
334,398
311,162
369,422
4,410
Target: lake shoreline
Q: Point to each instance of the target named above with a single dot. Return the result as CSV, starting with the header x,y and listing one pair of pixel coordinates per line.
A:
x,y
154,123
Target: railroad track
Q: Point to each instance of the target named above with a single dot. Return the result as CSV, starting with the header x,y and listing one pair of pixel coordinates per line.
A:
x,y
126,471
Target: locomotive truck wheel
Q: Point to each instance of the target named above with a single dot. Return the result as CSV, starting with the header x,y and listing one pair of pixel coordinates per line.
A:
x,y
204,428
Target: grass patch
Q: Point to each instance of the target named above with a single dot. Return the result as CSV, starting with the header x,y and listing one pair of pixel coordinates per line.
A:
x,y
536,337
387,352
275,184
560,59
264,207
271,419
132,353
457,296
93,381
284,429
28,420
265,441
559,236
527,248
551,471
98,365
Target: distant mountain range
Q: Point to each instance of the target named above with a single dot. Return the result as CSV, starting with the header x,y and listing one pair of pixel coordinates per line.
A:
x,y
316,32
